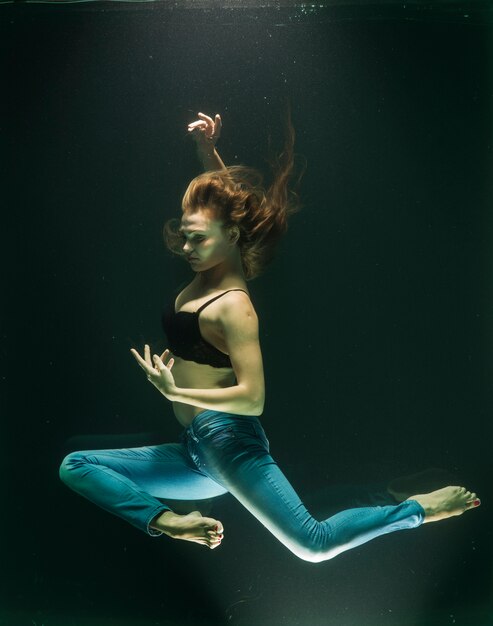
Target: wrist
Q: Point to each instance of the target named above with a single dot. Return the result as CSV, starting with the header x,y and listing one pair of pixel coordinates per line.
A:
x,y
206,147
170,393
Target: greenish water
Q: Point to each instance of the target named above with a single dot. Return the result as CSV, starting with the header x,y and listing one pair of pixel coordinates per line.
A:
x,y
476,617
381,290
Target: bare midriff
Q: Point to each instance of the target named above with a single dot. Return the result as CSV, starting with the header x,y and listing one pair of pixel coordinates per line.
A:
x,y
191,375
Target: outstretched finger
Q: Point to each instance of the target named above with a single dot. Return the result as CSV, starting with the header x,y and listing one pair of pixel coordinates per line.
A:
x,y
217,126
140,360
164,354
147,354
208,119
197,124
158,362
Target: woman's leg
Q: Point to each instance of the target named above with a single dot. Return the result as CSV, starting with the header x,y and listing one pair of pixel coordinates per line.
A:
x,y
128,482
233,450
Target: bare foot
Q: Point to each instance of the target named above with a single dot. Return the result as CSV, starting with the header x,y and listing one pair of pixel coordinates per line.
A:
x,y
191,527
446,502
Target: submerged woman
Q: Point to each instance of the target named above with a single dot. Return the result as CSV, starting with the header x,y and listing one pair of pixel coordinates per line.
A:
x,y
213,375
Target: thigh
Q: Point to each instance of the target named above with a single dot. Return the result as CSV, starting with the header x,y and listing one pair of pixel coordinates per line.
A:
x,y
241,462
262,488
165,471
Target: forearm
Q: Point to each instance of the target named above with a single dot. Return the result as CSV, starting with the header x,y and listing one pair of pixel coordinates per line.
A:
x,y
210,159
236,399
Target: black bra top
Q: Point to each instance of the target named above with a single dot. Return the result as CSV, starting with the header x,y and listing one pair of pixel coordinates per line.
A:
x,y
183,332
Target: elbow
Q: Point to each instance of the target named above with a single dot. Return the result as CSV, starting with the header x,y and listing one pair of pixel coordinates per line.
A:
x,y
256,410
253,401
257,406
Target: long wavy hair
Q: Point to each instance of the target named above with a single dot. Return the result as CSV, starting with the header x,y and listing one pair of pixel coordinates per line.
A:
x,y
239,199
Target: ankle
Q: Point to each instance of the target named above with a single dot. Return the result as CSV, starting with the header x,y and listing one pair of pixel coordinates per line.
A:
x,y
163,521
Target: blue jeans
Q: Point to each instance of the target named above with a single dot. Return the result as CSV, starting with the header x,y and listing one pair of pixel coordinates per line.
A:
x,y
221,453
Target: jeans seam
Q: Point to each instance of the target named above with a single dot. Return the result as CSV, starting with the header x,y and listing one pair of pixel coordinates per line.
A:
x,y
142,493
126,458
281,494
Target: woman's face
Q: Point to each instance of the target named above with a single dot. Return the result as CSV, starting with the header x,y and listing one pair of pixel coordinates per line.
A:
x,y
206,242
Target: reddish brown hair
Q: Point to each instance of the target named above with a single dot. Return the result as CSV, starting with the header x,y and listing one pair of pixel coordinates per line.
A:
x,y
239,199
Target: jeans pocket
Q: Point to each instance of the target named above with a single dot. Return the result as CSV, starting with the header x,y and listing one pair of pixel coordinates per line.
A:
x,y
221,436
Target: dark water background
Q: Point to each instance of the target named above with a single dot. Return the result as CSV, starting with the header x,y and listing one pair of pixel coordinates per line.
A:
x,y
375,316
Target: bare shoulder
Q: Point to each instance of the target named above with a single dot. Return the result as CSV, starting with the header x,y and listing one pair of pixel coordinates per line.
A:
x,y
237,310
234,300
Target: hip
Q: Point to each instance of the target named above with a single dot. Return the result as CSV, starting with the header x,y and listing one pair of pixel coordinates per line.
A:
x,y
216,426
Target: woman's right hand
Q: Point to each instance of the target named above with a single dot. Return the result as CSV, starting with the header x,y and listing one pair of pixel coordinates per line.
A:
x,y
205,131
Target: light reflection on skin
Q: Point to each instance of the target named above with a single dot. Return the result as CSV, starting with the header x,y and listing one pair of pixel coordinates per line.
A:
x,y
206,241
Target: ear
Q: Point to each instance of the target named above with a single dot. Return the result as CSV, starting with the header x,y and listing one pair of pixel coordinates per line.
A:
x,y
234,234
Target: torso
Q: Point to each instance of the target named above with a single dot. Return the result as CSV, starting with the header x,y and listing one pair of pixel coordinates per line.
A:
x,y
193,375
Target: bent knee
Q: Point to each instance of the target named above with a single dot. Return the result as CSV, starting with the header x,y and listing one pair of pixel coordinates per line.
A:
x,y
315,551
314,556
70,463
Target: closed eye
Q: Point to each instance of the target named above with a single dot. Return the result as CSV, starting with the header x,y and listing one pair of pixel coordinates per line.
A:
x,y
192,238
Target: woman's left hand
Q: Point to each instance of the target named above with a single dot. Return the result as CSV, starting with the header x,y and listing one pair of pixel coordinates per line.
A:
x,y
158,373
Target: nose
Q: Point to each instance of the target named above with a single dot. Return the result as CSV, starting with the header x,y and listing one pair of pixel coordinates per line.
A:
x,y
186,246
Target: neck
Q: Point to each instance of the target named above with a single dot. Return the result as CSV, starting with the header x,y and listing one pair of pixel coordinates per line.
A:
x,y
229,270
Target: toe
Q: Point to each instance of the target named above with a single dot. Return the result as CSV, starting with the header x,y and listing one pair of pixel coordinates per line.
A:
x,y
473,502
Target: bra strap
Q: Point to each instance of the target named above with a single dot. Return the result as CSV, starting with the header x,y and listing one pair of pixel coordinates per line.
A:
x,y
216,297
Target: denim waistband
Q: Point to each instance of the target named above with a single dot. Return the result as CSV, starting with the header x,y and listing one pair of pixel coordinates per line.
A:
x,y
209,420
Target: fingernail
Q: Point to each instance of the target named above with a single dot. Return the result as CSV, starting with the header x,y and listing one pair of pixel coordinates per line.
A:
x,y
477,502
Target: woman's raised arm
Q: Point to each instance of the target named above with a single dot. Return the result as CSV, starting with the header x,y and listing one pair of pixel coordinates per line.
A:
x,y
206,132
